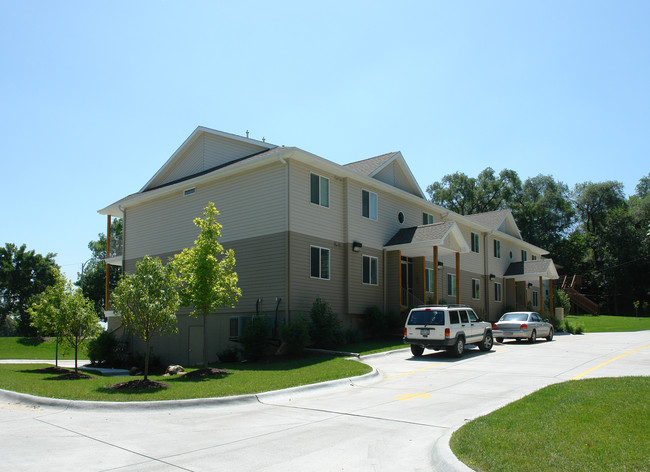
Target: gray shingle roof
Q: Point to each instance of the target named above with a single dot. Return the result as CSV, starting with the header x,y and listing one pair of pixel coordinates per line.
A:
x,y
368,166
529,268
423,233
491,219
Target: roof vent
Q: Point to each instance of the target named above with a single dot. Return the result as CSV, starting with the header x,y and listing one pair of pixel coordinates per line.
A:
x,y
247,133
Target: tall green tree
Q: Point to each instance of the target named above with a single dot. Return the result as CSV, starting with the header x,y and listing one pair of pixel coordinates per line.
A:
x,y
147,301
207,272
78,321
92,279
45,311
23,274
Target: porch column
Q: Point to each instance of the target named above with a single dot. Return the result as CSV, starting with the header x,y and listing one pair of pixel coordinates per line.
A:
x,y
435,275
458,278
515,283
541,296
550,297
107,304
399,271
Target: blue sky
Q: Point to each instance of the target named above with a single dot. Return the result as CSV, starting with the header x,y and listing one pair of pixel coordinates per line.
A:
x,y
95,96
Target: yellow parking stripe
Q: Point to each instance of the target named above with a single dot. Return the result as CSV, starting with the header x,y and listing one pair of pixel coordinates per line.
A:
x,y
414,371
607,362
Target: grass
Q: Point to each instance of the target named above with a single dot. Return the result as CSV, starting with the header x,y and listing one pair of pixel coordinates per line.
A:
x,y
245,378
586,425
374,346
609,324
35,348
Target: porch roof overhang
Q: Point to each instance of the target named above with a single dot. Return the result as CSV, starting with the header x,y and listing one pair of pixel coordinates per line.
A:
x,y
418,240
531,271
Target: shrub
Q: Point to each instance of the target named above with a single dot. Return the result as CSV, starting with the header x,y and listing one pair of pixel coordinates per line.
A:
x,y
557,324
103,349
352,336
255,338
295,335
562,300
373,321
325,328
229,354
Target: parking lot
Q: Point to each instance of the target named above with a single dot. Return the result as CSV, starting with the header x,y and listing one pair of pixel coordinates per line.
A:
x,y
398,418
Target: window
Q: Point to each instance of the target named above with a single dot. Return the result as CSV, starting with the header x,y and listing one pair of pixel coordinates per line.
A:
x,y
400,217
320,190
369,204
238,325
497,292
475,247
189,191
476,289
320,263
370,270
427,219
428,280
535,298
497,249
451,285
534,257
524,255
454,318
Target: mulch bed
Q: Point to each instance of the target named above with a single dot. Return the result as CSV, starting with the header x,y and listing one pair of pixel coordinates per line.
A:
x,y
53,370
73,376
140,384
205,373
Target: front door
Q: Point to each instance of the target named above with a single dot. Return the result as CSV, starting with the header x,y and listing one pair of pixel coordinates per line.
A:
x,y
407,282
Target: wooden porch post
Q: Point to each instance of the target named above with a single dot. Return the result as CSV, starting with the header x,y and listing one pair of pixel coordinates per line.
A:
x,y
107,303
515,283
458,278
435,275
399,269
541,296
550,297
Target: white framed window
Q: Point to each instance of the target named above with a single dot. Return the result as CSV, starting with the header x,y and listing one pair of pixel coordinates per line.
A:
x,y
475,245
497,249
497,292
319,190
451,285
238,325
369,204
370,270
476,289
427,218
428,280
524,255
320,263
533,257
535,298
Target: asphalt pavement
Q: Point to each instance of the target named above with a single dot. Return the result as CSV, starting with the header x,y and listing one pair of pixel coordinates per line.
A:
x,y
399,417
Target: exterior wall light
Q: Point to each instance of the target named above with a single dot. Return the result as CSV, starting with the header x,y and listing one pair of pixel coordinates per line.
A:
x,y
492,276
356,246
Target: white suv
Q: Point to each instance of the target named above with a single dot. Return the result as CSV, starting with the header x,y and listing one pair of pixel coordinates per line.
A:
x,y
448,327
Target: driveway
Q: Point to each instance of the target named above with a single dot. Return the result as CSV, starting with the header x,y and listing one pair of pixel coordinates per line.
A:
x,y
399,419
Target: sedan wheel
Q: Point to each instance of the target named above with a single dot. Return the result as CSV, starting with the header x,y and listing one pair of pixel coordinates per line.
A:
x,y
416,350
533,337
499,340
550,335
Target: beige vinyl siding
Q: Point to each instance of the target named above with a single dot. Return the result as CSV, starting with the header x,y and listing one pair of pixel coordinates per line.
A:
x,y
191,164
361,296
250,204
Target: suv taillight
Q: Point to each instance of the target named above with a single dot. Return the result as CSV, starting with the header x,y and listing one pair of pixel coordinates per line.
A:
x,y
447,333
404,330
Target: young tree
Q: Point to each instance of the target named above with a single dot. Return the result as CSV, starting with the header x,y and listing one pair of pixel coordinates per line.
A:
x,y
207,272
45,311
78,321
147,300
23,274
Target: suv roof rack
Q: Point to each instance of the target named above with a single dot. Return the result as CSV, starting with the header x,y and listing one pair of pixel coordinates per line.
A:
x,y
449,305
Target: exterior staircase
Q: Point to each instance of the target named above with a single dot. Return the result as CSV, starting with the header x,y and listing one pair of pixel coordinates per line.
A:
x,y
578,300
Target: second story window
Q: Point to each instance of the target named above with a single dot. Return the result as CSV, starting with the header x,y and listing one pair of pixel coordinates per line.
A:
x,y
524,255
497,249
320,190
475,245
427,218
369,204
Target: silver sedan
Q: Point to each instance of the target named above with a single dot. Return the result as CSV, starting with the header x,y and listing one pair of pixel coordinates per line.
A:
x,y
522,325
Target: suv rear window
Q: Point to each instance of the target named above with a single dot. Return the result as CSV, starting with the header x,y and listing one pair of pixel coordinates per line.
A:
x,y
427,317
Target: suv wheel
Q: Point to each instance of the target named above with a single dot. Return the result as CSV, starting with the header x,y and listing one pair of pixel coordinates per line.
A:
x,y
458,348
487,342
416,350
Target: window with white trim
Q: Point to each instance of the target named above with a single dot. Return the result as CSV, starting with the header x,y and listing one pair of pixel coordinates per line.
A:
x,y
533,257
320,190
428,280
535,298
524,255
497,249
320,263
497,292
475,244
369,204
427,218
476,289
451,285
370,270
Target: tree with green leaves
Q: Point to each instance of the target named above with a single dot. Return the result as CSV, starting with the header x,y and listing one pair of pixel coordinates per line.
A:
x,y
45,311
207,272
23,274
78,321
147,301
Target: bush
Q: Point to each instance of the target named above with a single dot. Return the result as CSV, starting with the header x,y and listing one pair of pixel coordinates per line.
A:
x,y
557,324
562,300
373,321
103,349
230,354
352,336
295,335
325,328
255,338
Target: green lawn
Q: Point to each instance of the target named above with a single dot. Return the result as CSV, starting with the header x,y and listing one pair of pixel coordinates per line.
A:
x,y
608,324
32,348
585,425
245,378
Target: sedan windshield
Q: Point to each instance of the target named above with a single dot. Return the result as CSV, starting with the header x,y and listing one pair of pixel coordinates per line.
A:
x,y
427,317
514,317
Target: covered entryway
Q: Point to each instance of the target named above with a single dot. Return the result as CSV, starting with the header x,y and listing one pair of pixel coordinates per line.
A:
x,y
525,279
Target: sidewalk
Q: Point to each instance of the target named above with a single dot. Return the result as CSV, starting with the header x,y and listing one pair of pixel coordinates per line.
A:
x,y
82,364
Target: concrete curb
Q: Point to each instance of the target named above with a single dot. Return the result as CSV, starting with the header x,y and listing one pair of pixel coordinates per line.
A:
x,y
443,459
28,399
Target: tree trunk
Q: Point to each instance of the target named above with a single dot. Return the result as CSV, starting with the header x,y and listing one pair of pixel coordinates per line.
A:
x,y
205,342
76,348
56,353
146,360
